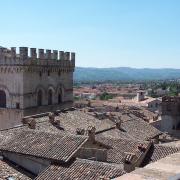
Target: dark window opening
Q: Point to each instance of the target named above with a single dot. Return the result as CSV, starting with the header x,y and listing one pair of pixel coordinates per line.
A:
x,y
59,73
39,98
48,73
17,106
40,74
59,99
50,95
2,99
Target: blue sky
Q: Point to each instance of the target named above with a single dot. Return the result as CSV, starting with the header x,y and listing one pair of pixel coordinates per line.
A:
x,y
103,33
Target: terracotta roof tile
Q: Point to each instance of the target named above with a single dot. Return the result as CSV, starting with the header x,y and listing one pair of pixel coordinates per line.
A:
x,y
45,145
140,129
7,169
158,152
80,170
119,147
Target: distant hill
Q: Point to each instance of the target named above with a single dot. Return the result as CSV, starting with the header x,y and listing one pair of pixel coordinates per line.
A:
x,y
124,73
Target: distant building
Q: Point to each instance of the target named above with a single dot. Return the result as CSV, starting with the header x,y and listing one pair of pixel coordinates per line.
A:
x,y
152,104
162,92
140,95
88,95
170,114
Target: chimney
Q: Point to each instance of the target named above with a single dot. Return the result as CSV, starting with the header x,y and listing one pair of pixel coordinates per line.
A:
x,y
142,148
57,123
133,160
91,131
30,122
52,120
129,161
80,131
51,117
118,123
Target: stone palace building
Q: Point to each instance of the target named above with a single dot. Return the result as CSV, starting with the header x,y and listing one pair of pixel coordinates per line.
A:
x,y
33,84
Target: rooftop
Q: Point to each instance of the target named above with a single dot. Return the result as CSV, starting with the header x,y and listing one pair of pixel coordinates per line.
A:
x,y
157,152
44,145
165,168
8,169
82,169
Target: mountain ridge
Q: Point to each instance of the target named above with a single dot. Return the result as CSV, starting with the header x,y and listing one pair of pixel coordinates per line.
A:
x,y
124,73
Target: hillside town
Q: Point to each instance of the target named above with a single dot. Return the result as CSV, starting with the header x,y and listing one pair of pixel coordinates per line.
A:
x,y
52,130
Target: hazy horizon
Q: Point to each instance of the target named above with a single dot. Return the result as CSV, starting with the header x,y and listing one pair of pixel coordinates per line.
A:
x,y
127,67
103,33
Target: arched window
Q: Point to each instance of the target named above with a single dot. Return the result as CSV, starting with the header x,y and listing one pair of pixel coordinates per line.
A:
x,y
50,95
39,98
59,98
2,99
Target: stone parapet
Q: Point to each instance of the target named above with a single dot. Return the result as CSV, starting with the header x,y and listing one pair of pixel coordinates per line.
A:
x,y
48,58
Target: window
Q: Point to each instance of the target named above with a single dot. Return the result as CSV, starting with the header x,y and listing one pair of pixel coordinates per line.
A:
x,y
2,99
17,105
39,98
40,74
59,99
59,73
50,95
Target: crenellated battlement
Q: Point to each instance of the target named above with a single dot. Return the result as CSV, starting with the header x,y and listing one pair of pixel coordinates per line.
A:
x,y
32,56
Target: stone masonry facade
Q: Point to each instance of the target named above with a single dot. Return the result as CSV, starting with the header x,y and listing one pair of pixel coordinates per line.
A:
x,y
33,83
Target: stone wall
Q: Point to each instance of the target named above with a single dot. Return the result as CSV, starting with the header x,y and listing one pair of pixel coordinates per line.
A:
x,y
22,76
32,164
93,154
169,123
10,118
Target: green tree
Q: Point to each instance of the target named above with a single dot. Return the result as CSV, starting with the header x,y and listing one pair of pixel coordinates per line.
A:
x,y
105,96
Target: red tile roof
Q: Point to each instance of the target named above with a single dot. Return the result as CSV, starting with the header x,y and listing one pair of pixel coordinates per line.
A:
x,y
45,145
82,170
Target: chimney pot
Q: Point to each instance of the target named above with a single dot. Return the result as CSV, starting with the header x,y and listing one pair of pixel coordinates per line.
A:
x,y
118,123
91,131
80,131
51,117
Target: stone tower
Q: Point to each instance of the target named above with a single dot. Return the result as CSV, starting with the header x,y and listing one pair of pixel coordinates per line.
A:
x,y
170,117
140,95
32,84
